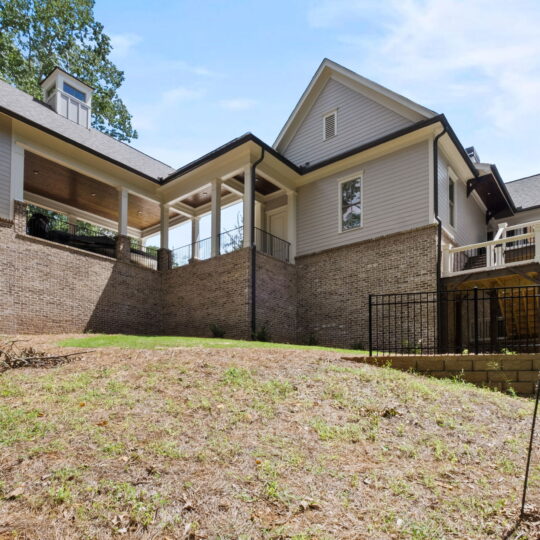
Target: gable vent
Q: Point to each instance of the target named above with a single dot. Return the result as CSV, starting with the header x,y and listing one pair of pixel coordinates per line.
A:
x,y
329,125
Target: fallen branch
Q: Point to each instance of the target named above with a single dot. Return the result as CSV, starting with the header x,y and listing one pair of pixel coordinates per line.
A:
x,y
12,357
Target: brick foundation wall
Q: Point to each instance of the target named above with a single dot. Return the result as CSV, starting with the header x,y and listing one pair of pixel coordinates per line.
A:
x,y
213,291
503,372
276,304
334,285
51,288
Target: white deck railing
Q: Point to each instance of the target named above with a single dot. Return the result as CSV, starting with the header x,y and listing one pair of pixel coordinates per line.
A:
x,y
501,252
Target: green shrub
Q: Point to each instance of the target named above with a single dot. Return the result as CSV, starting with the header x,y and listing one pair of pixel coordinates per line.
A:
x,y
261,334
217,331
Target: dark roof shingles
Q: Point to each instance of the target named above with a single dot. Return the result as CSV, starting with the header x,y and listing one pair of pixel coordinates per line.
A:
x,y
37,112
525,192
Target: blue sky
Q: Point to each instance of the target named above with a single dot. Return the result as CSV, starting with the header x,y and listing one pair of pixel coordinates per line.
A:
x,y
201,73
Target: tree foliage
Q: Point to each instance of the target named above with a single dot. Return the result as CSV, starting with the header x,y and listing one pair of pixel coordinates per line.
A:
x,y
37,35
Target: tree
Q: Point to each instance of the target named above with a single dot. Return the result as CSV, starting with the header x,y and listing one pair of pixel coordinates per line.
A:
x,y
37,35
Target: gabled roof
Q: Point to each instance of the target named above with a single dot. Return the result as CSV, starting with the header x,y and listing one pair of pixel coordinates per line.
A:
x,y
329,69
27,109
525,192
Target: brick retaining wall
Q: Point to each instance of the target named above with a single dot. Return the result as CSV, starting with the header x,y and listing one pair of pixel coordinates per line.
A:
x,y
51,288
213,291
276,298
334,285
500,371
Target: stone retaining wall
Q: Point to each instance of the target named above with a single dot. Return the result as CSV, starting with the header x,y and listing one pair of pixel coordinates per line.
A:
x,y
503,372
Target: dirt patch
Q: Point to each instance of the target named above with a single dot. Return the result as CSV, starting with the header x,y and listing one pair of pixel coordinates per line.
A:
x,y
244,443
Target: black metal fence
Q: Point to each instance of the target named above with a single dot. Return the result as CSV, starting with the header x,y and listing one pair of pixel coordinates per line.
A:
x,y
472,321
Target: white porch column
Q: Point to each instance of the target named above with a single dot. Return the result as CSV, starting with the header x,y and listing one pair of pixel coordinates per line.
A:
x,y
259,215
195,238
536,230
164,226
248,203
216,216
123,211
291,224
17,177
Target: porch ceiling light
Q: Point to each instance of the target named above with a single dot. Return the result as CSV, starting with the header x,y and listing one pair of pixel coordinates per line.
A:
x,y
35,171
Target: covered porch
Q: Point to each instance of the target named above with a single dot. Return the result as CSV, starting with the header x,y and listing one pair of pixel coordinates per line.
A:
x,y
66,206
241,173
132,221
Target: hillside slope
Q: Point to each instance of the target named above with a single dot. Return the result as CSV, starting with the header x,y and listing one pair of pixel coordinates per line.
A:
x,y
245,443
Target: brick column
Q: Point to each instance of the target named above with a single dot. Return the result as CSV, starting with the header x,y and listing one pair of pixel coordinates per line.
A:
x,y
19,217
123,248
164,261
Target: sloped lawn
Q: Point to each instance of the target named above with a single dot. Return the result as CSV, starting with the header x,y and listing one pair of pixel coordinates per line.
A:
x,y
254,443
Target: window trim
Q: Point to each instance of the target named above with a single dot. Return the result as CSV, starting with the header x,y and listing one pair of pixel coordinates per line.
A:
x,y
325,116
452,204
356,176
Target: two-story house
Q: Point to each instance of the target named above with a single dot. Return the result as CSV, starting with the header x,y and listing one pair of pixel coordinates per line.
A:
x,y
363,191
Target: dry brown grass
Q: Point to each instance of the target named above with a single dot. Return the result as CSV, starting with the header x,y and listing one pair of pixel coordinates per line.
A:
x,y
240,443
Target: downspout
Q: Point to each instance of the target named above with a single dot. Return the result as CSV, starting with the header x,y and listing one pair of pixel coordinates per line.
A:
x,y
439,233
436,205
253,248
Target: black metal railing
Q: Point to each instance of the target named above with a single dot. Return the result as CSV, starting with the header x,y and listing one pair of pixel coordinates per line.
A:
x,y
230,241
473,321
272,245
79,235
199,250
146,256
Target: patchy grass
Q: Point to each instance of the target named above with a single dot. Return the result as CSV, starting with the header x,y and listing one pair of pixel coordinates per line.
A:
x,y
262,442
159,342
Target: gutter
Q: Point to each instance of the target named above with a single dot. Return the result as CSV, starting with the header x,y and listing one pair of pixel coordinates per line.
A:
x,y
253,247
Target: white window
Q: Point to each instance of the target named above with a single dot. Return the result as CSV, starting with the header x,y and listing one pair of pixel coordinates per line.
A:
x,y
350,204
451,201
329,125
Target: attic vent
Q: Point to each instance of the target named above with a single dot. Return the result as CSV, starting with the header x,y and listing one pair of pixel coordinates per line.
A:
x,y
329,125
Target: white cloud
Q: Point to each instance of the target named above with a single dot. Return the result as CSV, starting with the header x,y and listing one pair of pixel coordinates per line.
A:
x,y
181,94
122,44
238,104
329,13
479,56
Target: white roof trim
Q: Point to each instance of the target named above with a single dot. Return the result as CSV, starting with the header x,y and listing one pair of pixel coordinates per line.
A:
x,y
329,69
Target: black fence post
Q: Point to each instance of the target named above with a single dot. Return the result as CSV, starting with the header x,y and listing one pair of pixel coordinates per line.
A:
x,y
370,325
529,453
476,321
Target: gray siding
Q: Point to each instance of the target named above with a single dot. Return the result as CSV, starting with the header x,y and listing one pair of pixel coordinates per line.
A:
x,y
395,198
5,166
359,120
470,224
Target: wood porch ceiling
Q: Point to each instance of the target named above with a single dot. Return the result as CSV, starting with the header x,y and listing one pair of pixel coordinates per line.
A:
x,y
202,197
58,183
